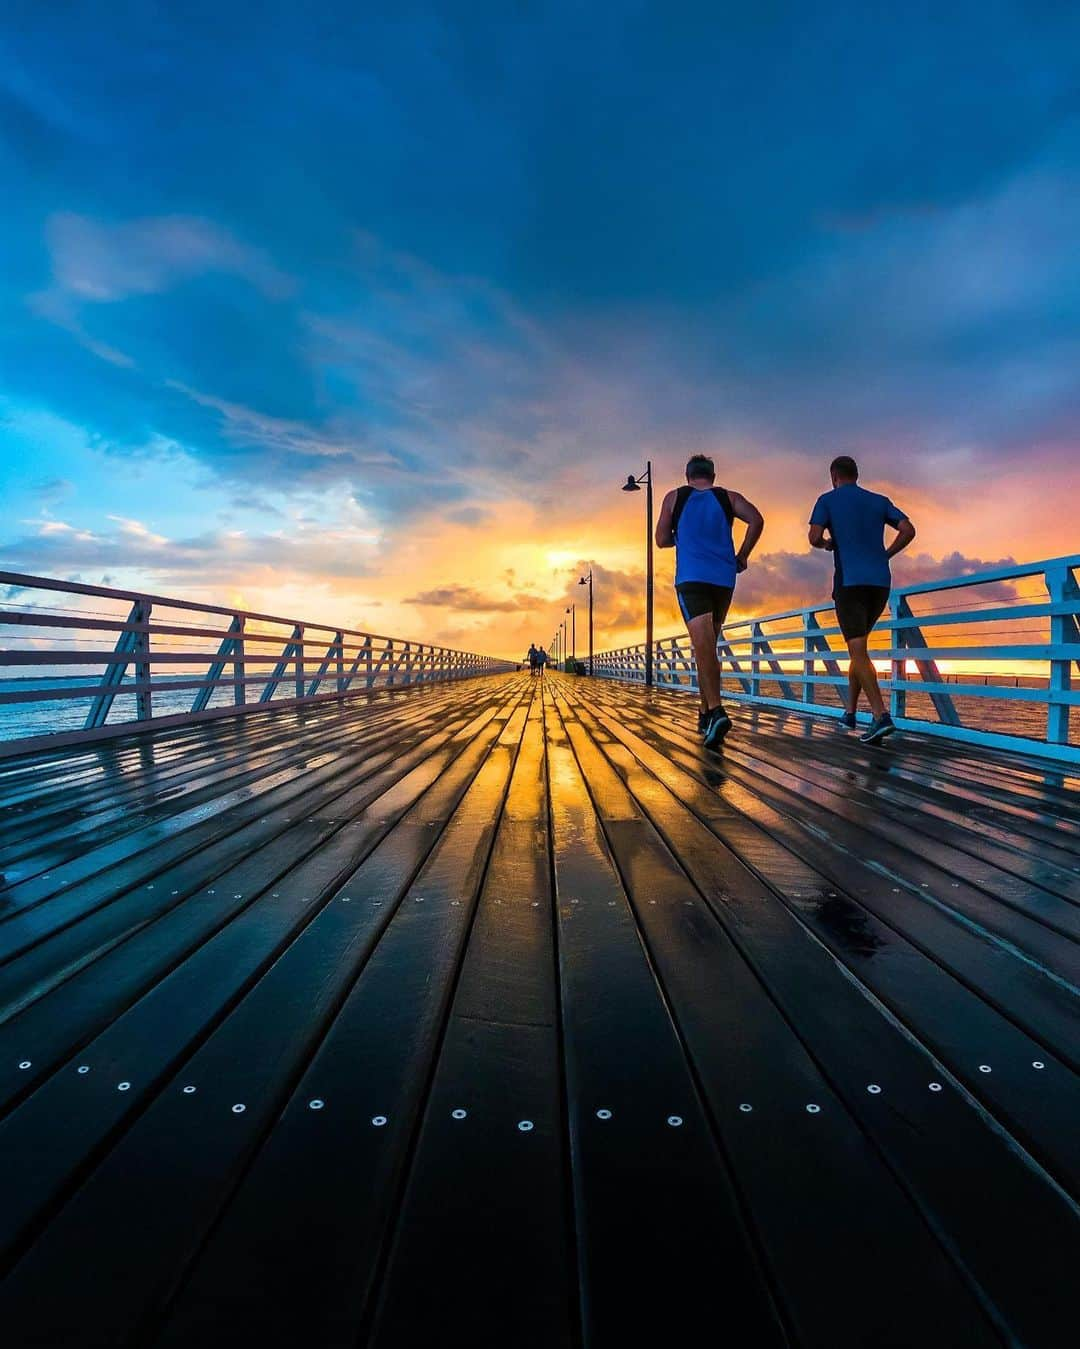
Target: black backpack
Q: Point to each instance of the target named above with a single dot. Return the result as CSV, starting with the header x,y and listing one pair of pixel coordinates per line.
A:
x,y
682,496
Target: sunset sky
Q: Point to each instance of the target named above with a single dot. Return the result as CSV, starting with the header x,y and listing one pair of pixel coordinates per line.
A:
x,y
364,316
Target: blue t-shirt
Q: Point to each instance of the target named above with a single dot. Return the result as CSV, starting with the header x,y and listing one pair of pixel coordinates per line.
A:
x,y
704,548
856,520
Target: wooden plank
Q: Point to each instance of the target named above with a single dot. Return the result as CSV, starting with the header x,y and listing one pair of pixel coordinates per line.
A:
x,y
656,1207
100,875
746,1053
316,1271
483,1192
190,783
203,893
195,1146
1038,1105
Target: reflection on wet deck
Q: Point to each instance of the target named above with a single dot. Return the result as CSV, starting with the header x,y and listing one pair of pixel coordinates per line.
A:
x,y
503,1014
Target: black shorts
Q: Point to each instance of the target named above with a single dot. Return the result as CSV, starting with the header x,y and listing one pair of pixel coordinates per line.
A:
x,y
858,608
698,597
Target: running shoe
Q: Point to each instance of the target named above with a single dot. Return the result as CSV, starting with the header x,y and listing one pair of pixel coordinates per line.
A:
x,y
702,721
878,730
847,721
717,725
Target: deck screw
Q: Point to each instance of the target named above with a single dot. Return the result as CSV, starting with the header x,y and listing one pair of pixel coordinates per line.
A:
x,y
316,1104
813,1110
1038,1063
603,1114
746,1108
984,1068
188,1091
525,1125
379,1121
419,899
935,1086
458,1113
123,1086
675,1121
238,1109
345,899
874,1089
25,1063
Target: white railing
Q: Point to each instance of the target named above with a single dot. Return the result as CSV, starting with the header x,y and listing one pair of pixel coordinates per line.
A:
x,y
86,662
994,667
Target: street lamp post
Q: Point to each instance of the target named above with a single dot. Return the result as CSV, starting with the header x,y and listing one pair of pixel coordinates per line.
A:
x,y
562,644
633,484
572,611
587,580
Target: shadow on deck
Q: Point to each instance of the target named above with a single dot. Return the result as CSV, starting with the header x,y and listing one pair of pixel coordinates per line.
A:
x,y
500,1015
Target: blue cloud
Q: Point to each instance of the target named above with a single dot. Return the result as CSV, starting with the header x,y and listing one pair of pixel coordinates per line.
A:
x,y
483,245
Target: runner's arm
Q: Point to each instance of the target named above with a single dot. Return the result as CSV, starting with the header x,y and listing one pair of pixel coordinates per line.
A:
x,y
905,532
665,536
754,521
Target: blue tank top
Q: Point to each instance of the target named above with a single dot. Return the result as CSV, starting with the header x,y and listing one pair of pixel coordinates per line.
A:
x,y
704,547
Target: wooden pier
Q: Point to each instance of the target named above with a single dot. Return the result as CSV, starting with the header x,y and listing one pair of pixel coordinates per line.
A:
x,y
500,1013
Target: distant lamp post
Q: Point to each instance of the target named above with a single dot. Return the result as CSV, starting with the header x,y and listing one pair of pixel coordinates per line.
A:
x,y
571,609
562,643
587,580
634,485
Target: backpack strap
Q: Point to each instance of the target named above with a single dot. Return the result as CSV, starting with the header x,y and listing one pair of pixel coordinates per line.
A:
x,y
720,493
682,496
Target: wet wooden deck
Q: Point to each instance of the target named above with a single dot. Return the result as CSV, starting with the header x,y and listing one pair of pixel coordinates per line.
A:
x,y
496,1016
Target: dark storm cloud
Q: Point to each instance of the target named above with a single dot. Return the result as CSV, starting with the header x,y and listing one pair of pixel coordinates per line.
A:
x,y
485,246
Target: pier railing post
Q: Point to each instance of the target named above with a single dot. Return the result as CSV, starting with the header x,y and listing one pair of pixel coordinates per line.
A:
x,y
898,667
239,663
144,692
1064,631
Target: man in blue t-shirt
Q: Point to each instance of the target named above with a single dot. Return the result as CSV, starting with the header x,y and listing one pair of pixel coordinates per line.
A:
x,y
850,523
696,520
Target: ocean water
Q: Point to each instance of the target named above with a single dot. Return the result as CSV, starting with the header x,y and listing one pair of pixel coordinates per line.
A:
x,y
18,720
22,719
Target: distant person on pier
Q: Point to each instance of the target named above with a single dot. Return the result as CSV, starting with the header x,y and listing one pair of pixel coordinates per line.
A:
x,y
849,522
533,657
542,660
696,520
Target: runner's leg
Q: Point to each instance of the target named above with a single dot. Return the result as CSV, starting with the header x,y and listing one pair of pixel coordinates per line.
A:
x,y
861,669
854,687
702,631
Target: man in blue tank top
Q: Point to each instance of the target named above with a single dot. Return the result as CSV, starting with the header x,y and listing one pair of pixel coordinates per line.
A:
x,y
850,523
696,520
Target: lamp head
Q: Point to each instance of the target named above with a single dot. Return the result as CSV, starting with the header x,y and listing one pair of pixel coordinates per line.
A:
x,y
631,484
582,581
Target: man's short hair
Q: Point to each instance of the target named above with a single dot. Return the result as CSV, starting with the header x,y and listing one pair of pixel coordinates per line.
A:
x,y
843,466
700,466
